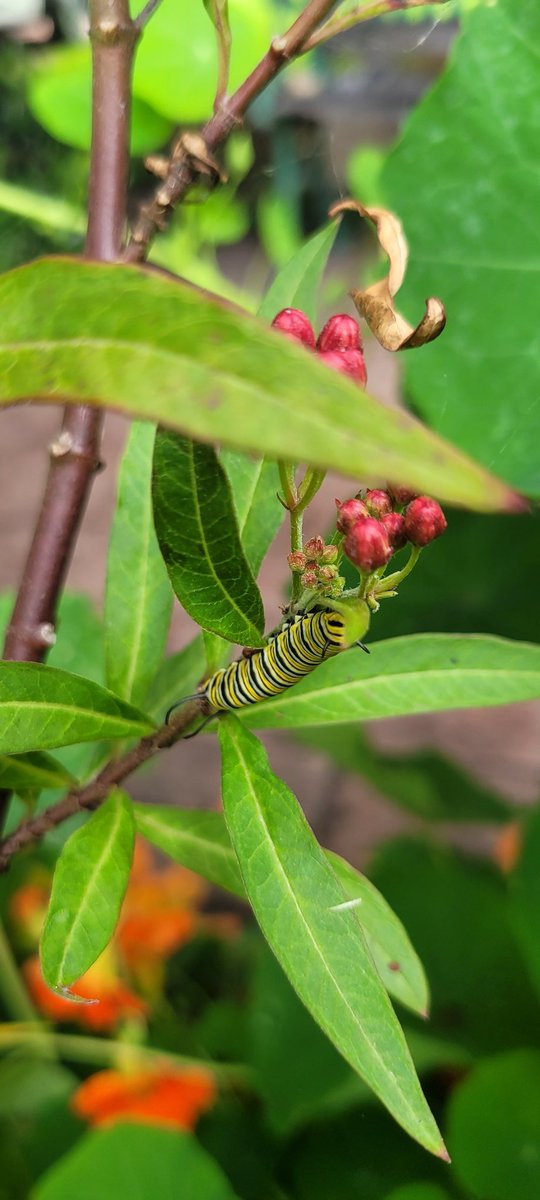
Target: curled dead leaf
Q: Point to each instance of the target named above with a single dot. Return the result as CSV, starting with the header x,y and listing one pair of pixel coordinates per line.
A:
x,y
376,303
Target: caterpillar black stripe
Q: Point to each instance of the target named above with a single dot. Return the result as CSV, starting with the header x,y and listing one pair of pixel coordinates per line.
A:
x,y
299,647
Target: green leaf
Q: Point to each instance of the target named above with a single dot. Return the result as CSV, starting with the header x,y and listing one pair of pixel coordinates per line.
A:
x,y
200,841
123,337
138,598
88,888
135,1160
419,1191
424,883
199,540
195,839
464,181
294,893
42,707
22,771
47,212
426,784
297,284
254,484
188,95
425,673
30,1084
494,1127
60,98
525,895
395,958
177,677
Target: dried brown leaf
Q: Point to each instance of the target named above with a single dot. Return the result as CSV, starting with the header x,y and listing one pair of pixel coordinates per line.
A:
x,y
376,303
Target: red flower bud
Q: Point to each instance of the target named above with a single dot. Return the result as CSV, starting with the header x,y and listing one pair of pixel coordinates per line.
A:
x,y
377,502
367,545
329,554
424,521
294,324
310,578
315,547
394,525
401,495
347,362
327,574
349,512
341,332
297,560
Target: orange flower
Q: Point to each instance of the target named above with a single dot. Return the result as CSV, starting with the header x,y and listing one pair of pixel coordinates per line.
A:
x,y
159,913
163,1095
508,846
116,1002
28,907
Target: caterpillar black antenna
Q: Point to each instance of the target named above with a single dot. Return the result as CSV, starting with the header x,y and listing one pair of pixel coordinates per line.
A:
x,y
363,647
202,726
179,703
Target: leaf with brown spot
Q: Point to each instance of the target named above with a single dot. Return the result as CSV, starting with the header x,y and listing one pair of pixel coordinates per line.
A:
x,y
376,303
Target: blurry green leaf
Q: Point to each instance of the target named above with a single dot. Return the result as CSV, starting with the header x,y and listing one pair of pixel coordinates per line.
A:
x,y
455,910
42,707
199,540
254,484
221,219
405,675
464,181
124,336
494,1127
425,784
22,771
88,888
239,154
279,227
27,1084
294,894
59,97
462,581
364,168
138,1161
178,676
395,958
198,840
297,283
419,1191
525,894
138,597
240,1142
49,212
176,63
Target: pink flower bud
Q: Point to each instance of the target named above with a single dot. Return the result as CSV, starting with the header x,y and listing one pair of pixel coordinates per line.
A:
x,y
349,512
347,362
394,525
327,574
367,545
401,495
377,502
315,547
297,560
424,521
310,578
341,332
329,554
294,324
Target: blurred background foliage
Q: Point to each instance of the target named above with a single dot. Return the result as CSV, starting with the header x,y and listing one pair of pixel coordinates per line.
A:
x,y
291,1119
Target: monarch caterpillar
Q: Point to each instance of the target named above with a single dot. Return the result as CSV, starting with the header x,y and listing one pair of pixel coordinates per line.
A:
x,y
295,650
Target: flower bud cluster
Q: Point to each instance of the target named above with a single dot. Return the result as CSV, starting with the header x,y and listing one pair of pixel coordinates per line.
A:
x,y
374,528
339,344
316,565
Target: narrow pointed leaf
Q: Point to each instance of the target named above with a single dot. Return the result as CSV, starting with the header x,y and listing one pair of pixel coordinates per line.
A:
x,y
254,485
297,284
42,708
138,598
36,770
294,892
200,841
89,885
198,537
132,339
423,673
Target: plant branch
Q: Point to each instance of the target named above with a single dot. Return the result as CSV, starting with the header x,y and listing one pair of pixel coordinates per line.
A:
x,y
185,167
145,13
74,456
92,794
363,12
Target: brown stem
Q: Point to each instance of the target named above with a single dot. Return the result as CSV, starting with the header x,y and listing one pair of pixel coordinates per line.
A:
x,y
97,790
184,166
75,454
364,12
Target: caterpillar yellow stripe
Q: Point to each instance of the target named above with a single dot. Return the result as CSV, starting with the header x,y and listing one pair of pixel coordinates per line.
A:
x,y
290,654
